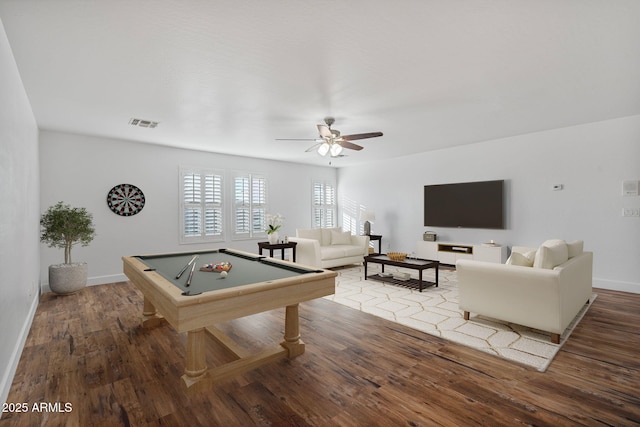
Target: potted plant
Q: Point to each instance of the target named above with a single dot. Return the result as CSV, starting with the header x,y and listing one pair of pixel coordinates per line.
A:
x,y
274,222
64,227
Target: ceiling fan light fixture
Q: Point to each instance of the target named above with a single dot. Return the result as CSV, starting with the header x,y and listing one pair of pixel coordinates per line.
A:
x,y
336,149
331,141
324,149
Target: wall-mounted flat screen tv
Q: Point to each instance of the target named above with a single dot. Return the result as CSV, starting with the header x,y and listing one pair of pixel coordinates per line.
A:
x,y
465,205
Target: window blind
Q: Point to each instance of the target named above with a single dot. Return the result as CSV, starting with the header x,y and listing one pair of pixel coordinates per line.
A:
x,y
202,206
250,209
324,205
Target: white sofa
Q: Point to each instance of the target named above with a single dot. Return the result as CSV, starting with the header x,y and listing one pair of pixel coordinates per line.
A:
x,y
542,288
329,247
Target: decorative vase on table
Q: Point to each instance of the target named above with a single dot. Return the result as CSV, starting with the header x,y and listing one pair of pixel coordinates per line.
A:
x,y
274,222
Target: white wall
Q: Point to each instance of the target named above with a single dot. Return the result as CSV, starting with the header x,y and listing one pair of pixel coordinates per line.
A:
x,y
19,216
590,161
80,170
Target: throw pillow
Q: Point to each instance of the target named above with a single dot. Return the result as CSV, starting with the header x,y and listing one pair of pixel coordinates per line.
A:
x,y
524,260
543,258
340,238
326,235
575,248
551,253
309,233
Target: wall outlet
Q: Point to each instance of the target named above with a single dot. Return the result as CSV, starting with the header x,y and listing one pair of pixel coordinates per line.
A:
x,y
631,212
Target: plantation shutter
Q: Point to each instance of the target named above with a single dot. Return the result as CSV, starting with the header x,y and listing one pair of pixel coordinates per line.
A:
x,y
250,205
324,205
213,221
242,206
259,204
202,206
192,199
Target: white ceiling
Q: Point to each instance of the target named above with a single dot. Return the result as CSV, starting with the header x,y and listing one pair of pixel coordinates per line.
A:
x,y
231,76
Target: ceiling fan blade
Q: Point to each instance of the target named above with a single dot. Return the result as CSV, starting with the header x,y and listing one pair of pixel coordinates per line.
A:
x,y
325,132
361,136
313,147
297,139
349,145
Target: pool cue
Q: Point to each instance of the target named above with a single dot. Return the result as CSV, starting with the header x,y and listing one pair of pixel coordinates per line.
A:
x,y
193,267
187,266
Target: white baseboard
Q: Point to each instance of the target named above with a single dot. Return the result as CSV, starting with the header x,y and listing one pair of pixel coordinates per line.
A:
x,y
101,280
95,280
9,373
616,285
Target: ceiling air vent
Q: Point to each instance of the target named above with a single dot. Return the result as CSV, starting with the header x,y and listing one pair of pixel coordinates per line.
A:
x,y
143,123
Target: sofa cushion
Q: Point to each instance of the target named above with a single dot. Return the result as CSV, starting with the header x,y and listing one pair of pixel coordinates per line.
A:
x,y
309,233
525,259
352,250
575,248
339,251
325,240
551,253
340,237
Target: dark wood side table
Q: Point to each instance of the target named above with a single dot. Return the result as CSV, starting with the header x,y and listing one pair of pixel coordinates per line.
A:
x,y
378,237
281,246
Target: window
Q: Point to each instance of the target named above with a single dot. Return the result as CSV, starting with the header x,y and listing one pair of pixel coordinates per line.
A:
x,y
250,206
202,218
324,205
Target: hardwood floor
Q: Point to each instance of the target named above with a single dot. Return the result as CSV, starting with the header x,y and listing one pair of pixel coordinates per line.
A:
x,y
88,350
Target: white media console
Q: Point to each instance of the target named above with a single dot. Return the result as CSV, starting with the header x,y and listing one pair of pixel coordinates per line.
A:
x,y
449,252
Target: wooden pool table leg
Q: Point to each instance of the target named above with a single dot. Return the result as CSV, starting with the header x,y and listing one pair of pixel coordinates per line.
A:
x,y
150,316
196,364
196,375
292,341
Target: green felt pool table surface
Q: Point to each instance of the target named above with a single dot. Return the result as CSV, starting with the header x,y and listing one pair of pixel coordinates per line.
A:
x,y
245,269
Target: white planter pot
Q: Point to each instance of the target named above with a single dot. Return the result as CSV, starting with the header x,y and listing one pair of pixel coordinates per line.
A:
x,y
273,237
65,279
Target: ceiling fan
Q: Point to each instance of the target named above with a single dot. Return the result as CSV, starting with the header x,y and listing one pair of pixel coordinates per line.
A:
x,y
331,142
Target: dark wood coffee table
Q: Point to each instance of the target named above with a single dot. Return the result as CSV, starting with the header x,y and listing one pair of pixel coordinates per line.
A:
x,y
410,263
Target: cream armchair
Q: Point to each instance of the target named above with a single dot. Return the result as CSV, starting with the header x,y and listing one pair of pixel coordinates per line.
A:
x,y
545,291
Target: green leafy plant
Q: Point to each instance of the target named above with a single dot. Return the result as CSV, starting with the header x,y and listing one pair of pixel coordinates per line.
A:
x,y
274,222
64,226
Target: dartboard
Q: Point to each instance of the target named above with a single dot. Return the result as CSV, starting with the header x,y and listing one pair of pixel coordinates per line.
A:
x,y
125,199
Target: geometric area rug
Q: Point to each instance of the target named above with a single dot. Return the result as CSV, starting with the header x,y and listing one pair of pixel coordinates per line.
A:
x,y
435,311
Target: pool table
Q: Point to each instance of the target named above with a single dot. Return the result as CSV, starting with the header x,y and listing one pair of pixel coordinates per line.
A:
x,y
252,285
